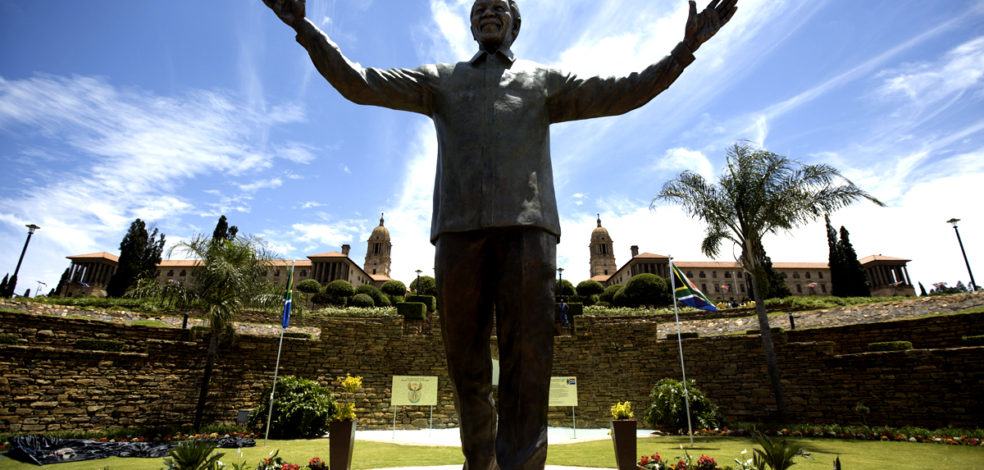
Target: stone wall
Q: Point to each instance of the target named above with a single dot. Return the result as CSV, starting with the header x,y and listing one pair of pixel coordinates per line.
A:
x,y
47,385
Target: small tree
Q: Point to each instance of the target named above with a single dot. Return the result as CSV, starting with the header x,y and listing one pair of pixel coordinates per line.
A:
x,y
378,298
644,289
308,286
362,300
302,409
565,289
427,286
609,293
855,279
140,252
223,231
3,286
669,409
394,288
589,288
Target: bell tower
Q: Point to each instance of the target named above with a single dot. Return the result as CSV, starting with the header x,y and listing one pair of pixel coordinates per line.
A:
x,y
378,251
602,252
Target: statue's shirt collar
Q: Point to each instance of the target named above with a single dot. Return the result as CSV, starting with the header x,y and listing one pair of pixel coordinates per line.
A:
x,y
505,55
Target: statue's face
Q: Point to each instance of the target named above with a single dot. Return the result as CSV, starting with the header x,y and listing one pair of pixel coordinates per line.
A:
x,y
492,24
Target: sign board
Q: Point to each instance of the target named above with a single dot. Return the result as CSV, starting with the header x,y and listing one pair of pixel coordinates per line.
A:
x,y
414,390
563,391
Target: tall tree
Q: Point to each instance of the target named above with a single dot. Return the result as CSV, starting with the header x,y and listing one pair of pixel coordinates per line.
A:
x,y
229,277
774,284
140,253
223,231
759,193
856,281
62,282
3,286
834,260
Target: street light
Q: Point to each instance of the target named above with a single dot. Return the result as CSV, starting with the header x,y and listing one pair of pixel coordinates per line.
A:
x,y
13,280
560,283
973,285
418,281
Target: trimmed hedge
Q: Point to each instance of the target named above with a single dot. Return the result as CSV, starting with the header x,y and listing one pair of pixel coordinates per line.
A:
x,y
7,338
976,340
429,301
412,310
890,346
298,334
684,335
362,300
99,344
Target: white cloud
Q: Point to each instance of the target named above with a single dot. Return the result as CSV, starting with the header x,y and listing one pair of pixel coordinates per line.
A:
x,y
296,152
261,184
679,159
959,71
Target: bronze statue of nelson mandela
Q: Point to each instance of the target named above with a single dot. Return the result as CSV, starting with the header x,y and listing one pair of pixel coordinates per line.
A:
x,y
495,224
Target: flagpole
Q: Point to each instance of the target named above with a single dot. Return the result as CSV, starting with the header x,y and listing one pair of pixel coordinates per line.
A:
x,y
683,370
276,368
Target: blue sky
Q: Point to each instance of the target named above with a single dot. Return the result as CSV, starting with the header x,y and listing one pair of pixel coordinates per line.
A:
x,y
179,111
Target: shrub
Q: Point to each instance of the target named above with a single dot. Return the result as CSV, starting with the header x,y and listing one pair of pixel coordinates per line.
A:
x,y
378,298
668,409
573,308
394,288
976,340
395,299
297,334
99,344
608,295
7,338
427,300
564,288
308,286
683,335
890,346
193,455
339,289
362,300
301,409
646,289
321,298
427,286
589,288
412,310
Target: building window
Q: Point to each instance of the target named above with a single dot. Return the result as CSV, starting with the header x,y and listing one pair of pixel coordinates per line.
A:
x,y
727,274
820,274
690,274
604,249
304,273
702,275
823,287
703,287
717,288
714,274
799,289
796,275
742,287
606,272
807,274
170,273
785,275
740,274
183,273
276,273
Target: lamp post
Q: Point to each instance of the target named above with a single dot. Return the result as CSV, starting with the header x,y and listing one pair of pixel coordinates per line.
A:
x,y
953,222
560,282
13,280
418,281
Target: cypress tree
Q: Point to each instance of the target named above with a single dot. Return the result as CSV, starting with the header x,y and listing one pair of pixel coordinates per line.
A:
x,y
62,282
835,259
3,286
922,290
11,285
776,287
223,231
140,253
857,282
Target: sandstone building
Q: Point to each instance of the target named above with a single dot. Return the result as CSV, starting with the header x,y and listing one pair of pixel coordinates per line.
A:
x,y
726,280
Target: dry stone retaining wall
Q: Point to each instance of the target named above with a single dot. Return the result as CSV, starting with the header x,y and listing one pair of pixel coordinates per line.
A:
x,y
46,385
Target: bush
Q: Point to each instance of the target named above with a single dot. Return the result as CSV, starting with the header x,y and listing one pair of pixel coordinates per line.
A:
x,y
564,288
589,288
668,410
645,289
378,298
362,300
339,289
395,299
99,344
308,286
890,346
302,409
427,286
608,295
394,288
427,300
573,308
412,310
322,298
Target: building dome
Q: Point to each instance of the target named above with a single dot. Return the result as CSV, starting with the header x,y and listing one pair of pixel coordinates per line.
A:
x,y
380,232
600,233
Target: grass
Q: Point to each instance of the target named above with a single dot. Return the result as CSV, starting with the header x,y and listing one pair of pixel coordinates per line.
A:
x,y
854,455
150,323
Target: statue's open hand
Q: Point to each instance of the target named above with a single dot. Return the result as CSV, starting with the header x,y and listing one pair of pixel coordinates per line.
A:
x,y
701,27
289,11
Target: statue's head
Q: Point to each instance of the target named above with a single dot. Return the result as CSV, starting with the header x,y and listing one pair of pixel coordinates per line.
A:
x,y
495,23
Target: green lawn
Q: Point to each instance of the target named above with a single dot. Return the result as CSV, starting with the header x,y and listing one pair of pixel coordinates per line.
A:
x,y
854,455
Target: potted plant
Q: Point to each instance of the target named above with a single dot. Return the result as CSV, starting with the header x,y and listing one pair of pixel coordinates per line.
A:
x,y
341,430
624,436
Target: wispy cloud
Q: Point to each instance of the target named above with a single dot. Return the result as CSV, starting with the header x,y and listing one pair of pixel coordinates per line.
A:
x,y
262,184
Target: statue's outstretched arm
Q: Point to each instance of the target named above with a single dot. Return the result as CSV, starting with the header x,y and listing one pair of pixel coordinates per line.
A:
x,y
403,89
701,27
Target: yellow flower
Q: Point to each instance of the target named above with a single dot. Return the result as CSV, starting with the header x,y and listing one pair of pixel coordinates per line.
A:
x,y
351,384
622,410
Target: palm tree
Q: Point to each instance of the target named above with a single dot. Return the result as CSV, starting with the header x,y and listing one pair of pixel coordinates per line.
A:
x,y
760,193
229,277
